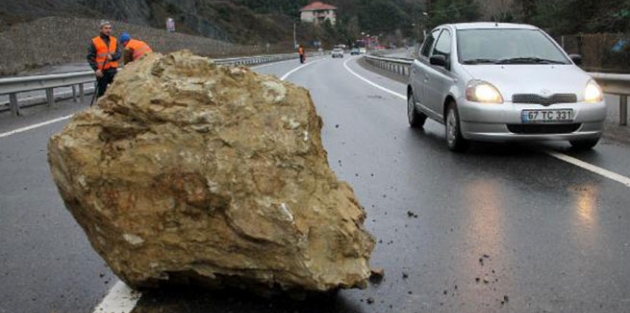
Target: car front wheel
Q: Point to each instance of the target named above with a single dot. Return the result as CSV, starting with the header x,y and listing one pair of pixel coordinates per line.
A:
x,y
416,119
584,144
454,138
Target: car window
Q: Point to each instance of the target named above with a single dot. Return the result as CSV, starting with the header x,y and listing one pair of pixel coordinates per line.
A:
x,y
428,42
507,46
443,45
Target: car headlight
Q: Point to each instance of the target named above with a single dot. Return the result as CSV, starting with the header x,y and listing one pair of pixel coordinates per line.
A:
x,y
593,93
484,92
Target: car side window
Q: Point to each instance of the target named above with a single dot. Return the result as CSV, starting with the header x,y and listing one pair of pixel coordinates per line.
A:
x,y
443,45
428,43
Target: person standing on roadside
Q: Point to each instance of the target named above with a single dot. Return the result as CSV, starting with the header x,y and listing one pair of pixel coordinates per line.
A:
x,y
302,55
134,49
103,54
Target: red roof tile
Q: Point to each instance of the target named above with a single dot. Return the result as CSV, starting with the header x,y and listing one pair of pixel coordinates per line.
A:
x,y
318,5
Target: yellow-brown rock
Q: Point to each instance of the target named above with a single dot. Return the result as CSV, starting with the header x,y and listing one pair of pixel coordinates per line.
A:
x,y
192,172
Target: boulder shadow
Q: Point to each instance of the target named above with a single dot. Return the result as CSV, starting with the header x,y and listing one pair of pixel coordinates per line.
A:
x,y
196,299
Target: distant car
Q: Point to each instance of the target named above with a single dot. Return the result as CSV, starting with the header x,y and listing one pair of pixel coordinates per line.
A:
x,y
337,53
362,51
503,82
354,51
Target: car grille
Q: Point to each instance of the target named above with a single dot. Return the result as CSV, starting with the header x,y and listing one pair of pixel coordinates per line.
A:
x,y
543,129
528,98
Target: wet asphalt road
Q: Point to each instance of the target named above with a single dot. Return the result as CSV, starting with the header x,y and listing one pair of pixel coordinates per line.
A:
x,y
502,228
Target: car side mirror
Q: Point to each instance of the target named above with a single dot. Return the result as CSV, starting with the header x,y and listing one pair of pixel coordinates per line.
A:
x,y
438,60
576,58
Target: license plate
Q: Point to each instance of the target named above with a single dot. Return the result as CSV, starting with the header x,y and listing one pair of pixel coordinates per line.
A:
x,y
546,116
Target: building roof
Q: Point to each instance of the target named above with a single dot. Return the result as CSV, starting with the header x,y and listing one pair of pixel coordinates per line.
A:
x,y
318,5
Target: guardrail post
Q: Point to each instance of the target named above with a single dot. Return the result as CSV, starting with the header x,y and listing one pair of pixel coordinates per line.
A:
x,y
50,96
74,94
81,93
13,104
623,110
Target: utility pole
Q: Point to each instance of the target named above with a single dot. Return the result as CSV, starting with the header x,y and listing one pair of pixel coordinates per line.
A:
x,y
294,38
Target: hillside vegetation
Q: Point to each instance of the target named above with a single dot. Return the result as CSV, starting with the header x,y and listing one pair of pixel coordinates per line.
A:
x,y
258,22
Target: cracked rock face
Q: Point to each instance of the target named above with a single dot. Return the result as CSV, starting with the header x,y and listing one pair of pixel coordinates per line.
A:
x,y
189,172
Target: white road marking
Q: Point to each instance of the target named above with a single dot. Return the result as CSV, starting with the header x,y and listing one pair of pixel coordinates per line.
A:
x,y
298,68
563,157
27,128
120,299
590,167
345,64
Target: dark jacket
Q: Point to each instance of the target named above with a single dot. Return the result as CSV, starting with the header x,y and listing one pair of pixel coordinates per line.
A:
x,y
91,56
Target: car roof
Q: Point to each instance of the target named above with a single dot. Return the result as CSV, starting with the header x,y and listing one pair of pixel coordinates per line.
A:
x,y
490,25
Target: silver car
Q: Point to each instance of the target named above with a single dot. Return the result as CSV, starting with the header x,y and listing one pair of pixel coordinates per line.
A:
x,y
337,53
503,82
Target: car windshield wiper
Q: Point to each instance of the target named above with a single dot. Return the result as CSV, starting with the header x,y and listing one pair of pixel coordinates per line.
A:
x,y
529,60
479,61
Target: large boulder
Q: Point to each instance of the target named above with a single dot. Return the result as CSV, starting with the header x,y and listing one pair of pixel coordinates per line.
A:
x,y
192,172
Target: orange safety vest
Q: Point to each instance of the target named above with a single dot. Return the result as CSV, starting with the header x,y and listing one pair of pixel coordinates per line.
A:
x,y
301,50
102,51
138,47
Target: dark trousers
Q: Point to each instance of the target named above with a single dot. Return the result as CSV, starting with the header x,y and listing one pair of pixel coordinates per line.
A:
x,y
103,82
302,58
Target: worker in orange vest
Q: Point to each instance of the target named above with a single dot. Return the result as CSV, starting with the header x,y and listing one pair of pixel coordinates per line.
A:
x,y
302,55
103,54
134,49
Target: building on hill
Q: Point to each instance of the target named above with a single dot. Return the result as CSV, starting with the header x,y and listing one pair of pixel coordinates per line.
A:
x,y
317,12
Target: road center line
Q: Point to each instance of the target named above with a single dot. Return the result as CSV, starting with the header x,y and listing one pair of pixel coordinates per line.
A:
x,y
560,156
27,128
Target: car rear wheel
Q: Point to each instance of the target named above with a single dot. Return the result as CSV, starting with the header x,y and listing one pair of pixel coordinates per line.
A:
x,y
584,144
416,119
454,138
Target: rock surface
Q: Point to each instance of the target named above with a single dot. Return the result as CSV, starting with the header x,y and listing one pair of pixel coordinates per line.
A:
x,y
189,172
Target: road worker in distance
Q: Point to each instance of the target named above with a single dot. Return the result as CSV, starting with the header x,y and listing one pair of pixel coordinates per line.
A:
x,y
134,49
302,54
103,54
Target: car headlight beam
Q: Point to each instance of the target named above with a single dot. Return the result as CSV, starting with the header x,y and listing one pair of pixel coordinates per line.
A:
x,y
593,93
483,92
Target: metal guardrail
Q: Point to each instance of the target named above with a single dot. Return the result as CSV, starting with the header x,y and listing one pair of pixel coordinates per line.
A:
x,y
396,65
614,84
14,85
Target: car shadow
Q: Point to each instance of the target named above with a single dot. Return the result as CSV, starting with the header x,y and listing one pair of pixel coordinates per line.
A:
x,y
437,141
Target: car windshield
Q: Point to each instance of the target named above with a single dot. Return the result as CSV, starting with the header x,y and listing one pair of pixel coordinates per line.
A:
x,y
507,46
